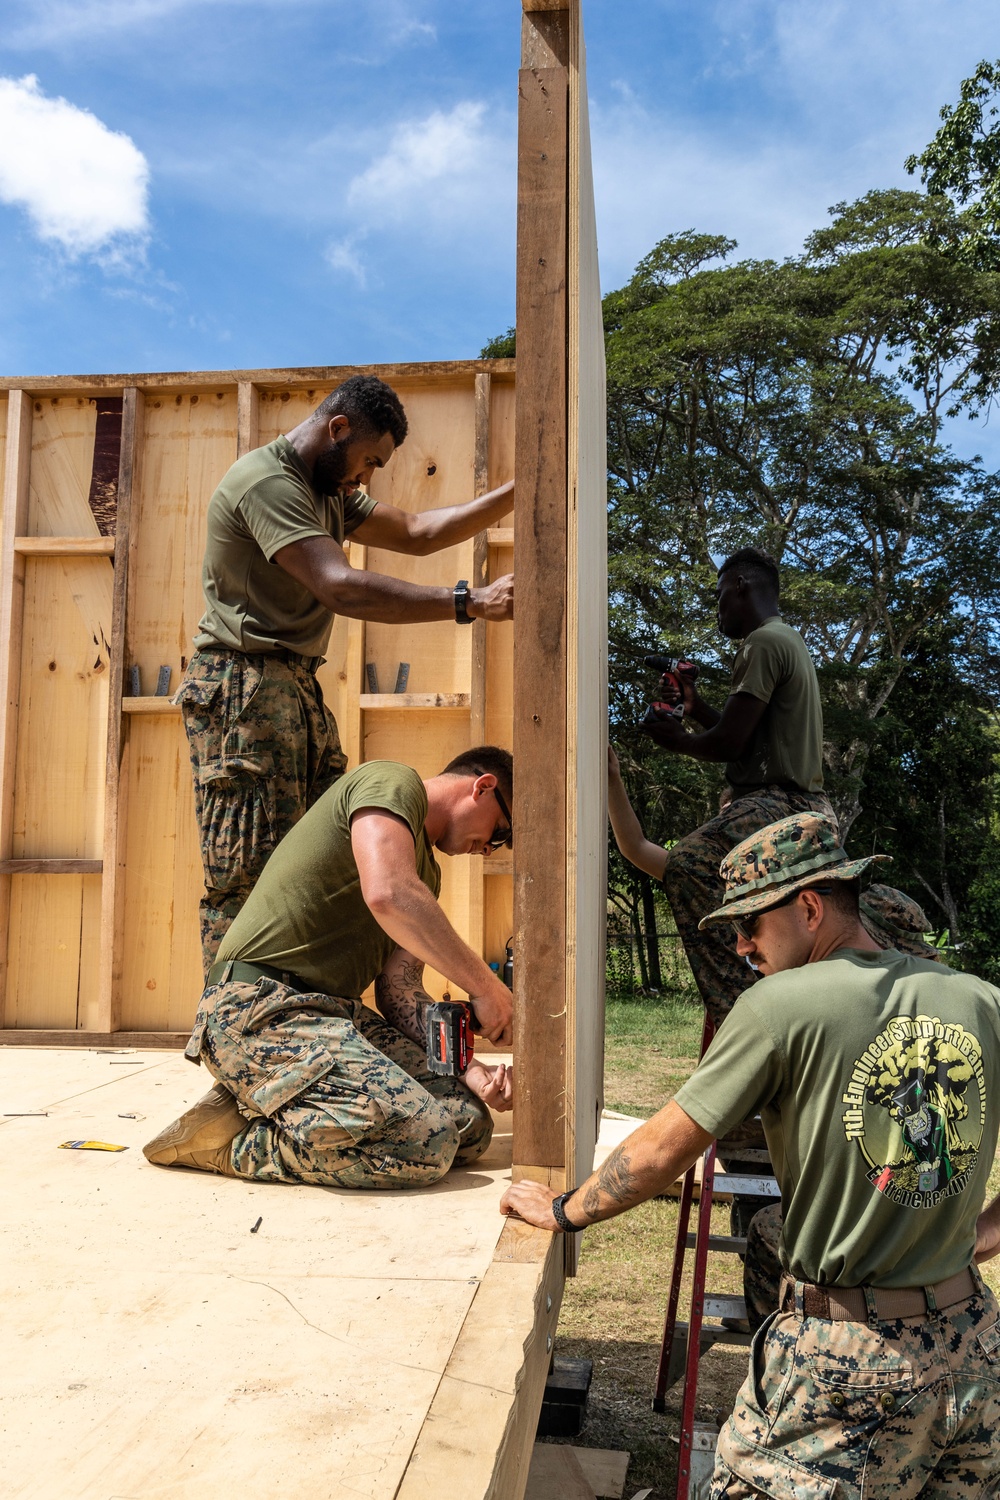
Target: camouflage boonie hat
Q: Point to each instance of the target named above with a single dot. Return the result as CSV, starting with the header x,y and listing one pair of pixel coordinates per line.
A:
x,y
896,921
782,858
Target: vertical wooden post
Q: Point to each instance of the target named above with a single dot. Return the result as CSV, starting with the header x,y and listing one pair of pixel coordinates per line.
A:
x,y
247,419
477,684
116,794
540,704
17,470
480,561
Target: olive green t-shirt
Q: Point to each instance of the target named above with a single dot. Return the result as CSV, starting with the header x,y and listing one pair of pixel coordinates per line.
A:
x,y
774,665
306,913
877,1077
263,503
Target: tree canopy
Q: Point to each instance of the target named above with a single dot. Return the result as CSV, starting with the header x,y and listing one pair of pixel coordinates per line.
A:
x,y
806,406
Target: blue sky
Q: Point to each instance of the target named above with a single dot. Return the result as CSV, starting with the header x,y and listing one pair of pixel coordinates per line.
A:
x,y
204,184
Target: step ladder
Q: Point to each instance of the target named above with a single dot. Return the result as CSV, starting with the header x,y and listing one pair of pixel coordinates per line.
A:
x,y
684,1343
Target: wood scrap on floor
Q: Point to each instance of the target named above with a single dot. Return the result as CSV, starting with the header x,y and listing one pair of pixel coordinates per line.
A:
x,y
560,1472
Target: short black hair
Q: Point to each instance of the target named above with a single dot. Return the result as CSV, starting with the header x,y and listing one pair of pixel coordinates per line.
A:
x,y
489,760
756,567
369,404
842,895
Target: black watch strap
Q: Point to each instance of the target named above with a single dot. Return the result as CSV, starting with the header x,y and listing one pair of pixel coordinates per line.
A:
x,y
559,1214
462,616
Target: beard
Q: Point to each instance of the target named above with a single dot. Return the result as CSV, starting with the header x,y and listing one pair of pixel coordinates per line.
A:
x,y
330,468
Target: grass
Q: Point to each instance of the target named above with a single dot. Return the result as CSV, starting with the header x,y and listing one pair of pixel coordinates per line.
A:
x,y
612,1311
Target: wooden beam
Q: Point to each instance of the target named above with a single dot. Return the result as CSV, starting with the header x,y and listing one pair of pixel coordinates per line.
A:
x,y
17,470
51,866
148,705
115,802
445,371
370,701
540,566
480,562
177,1040
500,536
247,415
64,546
476,1440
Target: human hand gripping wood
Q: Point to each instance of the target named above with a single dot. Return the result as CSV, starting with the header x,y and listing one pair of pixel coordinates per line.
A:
x,y
494,1085
404,908
494,601
645,1164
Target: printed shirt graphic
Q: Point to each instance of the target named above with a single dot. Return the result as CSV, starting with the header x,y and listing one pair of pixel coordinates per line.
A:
x,y
875,1075
917,1109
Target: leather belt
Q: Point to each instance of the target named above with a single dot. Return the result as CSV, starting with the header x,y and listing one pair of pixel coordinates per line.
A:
x,y
236,969
859,1304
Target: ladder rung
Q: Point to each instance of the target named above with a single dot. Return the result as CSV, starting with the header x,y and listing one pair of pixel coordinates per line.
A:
x,y
747,1187
713,1333
726,1244
722,1305
743,1153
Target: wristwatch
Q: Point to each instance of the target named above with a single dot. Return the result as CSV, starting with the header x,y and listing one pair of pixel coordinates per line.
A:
x,y
559,1214
462,616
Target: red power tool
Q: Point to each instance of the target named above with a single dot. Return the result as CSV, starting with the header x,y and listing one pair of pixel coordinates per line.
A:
x,y
673,668
450,1028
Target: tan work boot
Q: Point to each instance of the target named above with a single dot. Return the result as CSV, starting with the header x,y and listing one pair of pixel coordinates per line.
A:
x,y
201,1137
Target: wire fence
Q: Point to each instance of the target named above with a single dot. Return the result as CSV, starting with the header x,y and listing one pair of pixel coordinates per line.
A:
x,y
631,969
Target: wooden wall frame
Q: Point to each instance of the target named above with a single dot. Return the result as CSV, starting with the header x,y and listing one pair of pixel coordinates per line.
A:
x,y
98,851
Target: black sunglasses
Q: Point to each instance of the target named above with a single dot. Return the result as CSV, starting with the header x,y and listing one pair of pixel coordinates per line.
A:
x,y
747,926
501,837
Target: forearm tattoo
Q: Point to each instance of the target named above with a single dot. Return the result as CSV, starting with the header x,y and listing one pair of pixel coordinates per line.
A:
x,y
402,1002
615,1180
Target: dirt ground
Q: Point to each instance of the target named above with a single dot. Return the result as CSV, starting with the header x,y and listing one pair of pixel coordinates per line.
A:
x,y
613,1310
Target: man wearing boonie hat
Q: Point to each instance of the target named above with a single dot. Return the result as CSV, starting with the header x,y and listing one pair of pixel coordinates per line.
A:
x,y
876,1076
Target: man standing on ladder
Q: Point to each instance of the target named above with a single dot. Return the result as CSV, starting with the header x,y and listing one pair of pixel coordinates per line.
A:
x,y
770,734
876,1075
264,747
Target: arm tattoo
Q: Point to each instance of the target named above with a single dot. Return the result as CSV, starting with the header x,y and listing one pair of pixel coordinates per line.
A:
x,y
402,1002
615,1180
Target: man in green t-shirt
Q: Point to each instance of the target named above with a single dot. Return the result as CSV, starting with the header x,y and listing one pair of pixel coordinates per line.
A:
x,y
875,1075
313,1086
769,734
263,744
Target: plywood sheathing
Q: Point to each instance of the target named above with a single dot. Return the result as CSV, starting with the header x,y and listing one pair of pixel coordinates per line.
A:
x,y
157,1348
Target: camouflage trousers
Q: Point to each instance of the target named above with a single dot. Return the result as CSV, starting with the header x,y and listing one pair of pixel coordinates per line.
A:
x,y
840,1410
694,887
762,1267
264,747
332,1093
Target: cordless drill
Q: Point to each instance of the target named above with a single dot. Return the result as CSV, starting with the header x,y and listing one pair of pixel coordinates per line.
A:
x,y
671,686
450,1028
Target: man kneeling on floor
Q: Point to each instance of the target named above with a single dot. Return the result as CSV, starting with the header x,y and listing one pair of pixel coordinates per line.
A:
x,y
313,1086
876,1077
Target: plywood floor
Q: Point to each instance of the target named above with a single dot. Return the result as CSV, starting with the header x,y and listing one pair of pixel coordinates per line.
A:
x,y
155,1349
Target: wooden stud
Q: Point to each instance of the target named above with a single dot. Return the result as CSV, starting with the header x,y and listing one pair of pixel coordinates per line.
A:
x,y
247,417
115,806
17,469
586,593
540,568
500,536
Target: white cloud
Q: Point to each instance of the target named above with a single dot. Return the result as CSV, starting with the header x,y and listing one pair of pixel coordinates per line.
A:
x,y
342,255
447,178
82,185
430,169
